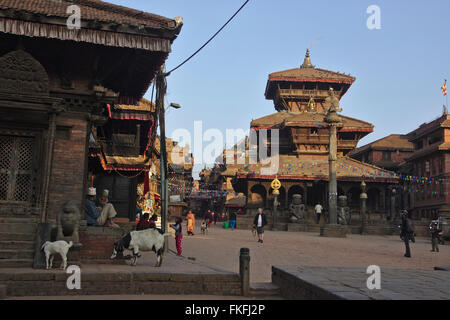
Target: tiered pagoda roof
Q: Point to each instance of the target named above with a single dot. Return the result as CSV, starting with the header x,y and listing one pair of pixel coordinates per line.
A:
x,y
307,119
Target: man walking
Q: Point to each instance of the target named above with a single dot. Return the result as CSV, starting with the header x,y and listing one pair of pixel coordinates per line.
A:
x,y
259,222
318,208
407,232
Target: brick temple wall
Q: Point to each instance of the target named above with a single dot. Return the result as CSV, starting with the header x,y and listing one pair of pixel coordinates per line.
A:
x,y
69,161
98,245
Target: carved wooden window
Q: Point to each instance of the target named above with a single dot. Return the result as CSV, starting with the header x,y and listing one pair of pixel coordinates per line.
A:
x,y
17,169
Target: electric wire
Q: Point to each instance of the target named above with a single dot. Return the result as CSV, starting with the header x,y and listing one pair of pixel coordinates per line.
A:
x,y
210,39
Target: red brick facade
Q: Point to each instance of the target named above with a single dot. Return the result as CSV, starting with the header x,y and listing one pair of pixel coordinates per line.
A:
x,y
69,160
431,163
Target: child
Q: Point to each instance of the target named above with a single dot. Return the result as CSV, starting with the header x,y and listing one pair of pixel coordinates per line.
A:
x,y
143,223
178,234
204,227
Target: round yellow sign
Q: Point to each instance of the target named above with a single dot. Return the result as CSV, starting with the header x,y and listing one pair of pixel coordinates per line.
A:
x,y
276,184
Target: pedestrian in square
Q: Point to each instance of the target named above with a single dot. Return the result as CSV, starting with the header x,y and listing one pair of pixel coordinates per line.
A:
x,y
232,219
190,223
435,231
208,217
178,234
259,222
318,208
407,232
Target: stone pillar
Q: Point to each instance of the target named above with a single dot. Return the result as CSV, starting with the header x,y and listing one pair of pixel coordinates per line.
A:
x,y
363,198
275,208
244,271
393,212
332,190
333,120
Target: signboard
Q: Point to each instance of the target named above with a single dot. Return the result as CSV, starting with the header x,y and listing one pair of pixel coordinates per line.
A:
x,y
175,198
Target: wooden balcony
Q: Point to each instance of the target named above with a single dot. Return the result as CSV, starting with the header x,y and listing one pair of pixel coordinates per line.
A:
x,y
321,94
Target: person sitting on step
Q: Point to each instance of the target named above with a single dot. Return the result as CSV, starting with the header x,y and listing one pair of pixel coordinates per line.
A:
x,y
99,216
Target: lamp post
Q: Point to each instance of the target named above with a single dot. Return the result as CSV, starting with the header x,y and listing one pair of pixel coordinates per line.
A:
x,y
161,86
363,197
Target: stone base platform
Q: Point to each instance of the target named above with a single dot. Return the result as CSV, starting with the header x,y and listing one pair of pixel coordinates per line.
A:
x,y
336,231
177,275
322,283
297,227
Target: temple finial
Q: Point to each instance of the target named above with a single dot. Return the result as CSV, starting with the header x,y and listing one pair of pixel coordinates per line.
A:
x,y
307,61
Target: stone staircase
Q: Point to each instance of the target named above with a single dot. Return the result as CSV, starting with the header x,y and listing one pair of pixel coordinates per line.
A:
x,y
17,241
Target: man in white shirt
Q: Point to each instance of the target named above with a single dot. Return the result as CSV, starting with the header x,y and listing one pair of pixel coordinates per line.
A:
x,y
318,208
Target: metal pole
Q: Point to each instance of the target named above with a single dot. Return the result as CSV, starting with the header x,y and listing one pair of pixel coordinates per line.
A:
x,y
161,87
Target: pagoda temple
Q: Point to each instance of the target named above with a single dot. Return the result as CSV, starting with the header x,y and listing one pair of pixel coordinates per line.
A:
x,y
299,96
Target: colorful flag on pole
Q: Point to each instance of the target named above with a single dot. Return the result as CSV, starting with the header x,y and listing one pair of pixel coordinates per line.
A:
x,y
444,88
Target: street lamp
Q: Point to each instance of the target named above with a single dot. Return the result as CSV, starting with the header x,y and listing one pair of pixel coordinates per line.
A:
x,y
161,86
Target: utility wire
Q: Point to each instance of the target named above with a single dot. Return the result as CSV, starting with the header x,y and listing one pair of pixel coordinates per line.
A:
x,y
210,39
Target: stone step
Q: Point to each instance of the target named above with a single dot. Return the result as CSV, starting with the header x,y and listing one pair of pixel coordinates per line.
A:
x,y
15,245
264,289
12,219
16,254
17,236
16,263
18,227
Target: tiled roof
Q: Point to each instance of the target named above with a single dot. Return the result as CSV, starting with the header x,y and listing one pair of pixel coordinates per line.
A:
x,y
426,128
312,74
292,168
393,141
91,10
144,105
307,119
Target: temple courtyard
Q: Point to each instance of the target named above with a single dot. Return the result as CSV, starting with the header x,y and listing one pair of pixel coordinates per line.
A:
x,y
220,248
288,265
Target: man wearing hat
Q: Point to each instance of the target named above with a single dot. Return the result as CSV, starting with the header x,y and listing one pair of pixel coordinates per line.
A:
x,y
102,216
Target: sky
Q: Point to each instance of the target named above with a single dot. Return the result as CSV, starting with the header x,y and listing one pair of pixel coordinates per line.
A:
x,y
399,68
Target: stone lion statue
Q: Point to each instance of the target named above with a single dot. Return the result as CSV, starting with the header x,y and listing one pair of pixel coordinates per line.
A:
x,y
297,209
68,223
